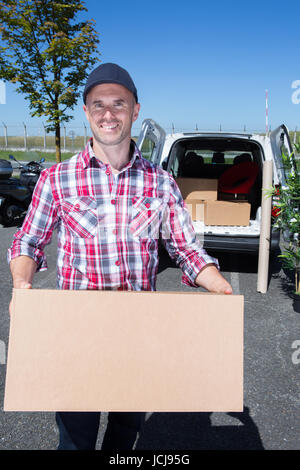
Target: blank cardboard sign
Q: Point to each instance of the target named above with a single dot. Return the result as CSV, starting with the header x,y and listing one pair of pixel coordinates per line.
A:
x,y
124,351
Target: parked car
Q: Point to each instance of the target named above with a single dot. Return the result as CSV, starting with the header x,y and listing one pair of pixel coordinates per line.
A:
x,y
210,155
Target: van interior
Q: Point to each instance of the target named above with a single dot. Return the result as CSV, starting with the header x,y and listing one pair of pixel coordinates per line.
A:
x,y
236,163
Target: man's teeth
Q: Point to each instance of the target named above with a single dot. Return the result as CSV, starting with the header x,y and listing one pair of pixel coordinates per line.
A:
x,y
112,126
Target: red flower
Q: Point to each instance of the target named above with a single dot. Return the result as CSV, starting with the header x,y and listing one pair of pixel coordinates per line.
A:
x,y
275,211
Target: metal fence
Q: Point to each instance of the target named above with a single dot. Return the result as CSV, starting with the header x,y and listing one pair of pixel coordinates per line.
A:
x,y
24,137
27,137
74,137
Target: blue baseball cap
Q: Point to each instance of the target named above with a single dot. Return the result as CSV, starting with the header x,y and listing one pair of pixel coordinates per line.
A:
x,y
109,73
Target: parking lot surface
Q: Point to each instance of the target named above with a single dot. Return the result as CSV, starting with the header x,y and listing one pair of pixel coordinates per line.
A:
x,y
270,419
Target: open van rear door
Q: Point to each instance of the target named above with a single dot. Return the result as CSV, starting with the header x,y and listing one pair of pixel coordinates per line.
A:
x,y
151,140
281,148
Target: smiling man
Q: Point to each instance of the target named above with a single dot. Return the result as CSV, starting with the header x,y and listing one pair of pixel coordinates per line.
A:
x,y
111,109
107,204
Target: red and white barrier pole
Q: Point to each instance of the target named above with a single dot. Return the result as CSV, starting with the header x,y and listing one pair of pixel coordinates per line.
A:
x,y
267,112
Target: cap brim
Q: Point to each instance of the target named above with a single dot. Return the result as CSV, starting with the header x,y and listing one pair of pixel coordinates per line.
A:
x,y
100,82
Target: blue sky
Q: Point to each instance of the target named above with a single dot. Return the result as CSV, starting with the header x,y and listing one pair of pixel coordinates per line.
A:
x,y
197,63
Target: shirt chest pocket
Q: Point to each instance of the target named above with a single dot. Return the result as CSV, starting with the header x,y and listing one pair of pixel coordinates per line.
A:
x,y
80,216
145,217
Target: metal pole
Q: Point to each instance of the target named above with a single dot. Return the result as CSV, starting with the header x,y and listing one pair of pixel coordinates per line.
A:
x,y
85,139
44,136
64,137
25,136
265,229
267,117
5,134
295,135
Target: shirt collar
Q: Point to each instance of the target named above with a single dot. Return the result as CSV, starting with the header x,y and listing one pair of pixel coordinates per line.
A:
x,y
87,155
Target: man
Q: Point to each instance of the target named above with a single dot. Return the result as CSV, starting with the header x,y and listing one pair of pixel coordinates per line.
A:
x,y
106,203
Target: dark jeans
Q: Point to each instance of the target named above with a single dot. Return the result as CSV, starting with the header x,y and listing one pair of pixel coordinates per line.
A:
x,y
78,430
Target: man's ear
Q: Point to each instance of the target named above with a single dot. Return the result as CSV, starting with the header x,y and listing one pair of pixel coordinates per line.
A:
x,y
86,111
136,111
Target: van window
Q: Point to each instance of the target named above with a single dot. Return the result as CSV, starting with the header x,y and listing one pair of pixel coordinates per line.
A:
x,y
209,158
147,148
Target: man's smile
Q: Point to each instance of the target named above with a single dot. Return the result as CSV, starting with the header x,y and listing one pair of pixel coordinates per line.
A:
x,y
109,127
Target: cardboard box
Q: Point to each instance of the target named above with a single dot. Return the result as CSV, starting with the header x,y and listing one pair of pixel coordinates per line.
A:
x,y
227,213
124,351
198,188
195,208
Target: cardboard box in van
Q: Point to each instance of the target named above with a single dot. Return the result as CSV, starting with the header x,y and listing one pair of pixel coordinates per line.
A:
x,y
196,209
198,188
227,213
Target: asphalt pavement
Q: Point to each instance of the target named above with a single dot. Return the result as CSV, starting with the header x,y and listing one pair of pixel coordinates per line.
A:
x,y
270,419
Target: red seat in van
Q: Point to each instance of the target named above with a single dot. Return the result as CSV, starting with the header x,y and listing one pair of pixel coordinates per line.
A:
x,y
239,178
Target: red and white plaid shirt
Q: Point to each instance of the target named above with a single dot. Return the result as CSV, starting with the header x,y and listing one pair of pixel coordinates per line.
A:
x,y
108,225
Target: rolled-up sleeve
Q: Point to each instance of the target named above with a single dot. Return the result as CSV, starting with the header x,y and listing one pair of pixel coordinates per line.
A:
x,y
39,223
180,240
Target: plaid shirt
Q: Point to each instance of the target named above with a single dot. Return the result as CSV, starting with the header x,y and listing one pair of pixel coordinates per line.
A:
x,y
109,225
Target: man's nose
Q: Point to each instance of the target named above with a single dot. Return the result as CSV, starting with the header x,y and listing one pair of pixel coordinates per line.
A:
x,y
107,111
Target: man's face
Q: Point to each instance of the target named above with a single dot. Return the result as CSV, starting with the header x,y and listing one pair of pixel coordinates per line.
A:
x,y
111,109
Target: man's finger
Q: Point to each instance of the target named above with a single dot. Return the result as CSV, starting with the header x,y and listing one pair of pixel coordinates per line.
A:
x,y
228,291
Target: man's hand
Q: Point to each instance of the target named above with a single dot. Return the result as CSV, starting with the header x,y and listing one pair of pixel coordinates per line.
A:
x,y
19,285
213,281
22,270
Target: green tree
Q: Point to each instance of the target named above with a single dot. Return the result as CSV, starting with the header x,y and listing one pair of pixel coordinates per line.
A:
x,y
47,53
287,218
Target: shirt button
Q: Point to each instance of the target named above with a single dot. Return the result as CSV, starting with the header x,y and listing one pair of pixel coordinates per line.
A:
x,y
117,263
120,288
114,231
108,171
77,207
147,205
113,201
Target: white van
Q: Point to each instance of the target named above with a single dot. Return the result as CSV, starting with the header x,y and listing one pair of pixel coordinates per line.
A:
x,y
209,155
